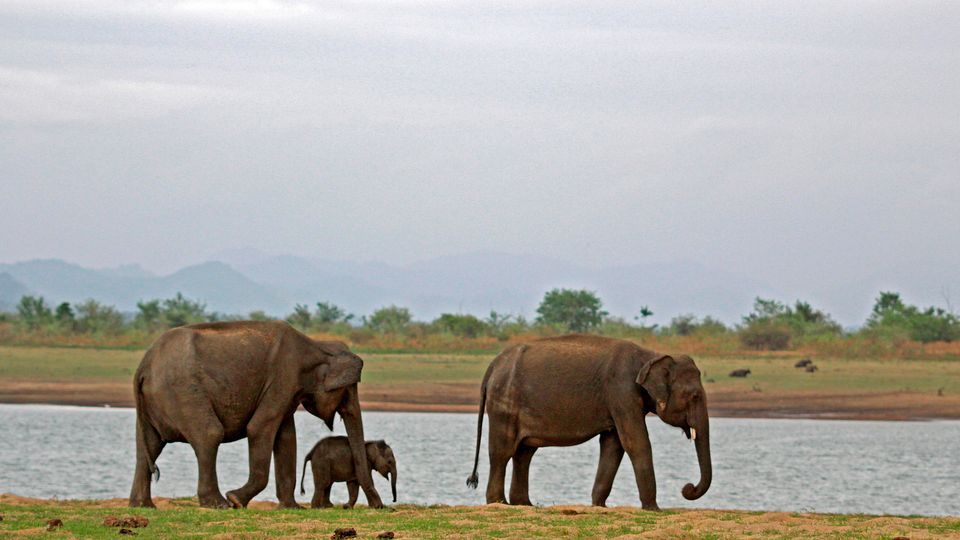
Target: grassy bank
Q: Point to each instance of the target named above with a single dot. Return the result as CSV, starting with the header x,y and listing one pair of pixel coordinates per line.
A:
x,y
181,518
842,388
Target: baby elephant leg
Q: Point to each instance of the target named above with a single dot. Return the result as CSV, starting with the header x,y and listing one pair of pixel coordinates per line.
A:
x,y
321,486
353,489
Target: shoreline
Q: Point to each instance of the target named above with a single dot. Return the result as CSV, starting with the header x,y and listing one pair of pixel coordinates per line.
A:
x,y
401,407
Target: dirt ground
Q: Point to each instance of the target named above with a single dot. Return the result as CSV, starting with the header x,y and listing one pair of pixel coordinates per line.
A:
x,y
463,397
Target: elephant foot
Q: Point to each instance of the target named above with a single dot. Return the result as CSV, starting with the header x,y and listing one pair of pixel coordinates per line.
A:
x,y
651,507
289,506
235,500
214,501
521,502
347,506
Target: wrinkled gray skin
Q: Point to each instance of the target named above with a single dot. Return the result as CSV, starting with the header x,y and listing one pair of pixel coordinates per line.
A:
x,y
331,462
207,384
566,390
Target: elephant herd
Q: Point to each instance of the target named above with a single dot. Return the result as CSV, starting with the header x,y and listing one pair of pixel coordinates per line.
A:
x,y
208,384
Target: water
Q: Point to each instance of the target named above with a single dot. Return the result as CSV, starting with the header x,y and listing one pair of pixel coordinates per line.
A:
x,y
794,465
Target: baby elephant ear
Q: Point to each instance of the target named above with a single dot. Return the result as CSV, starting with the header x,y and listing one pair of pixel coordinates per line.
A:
x,y
343,370
653,378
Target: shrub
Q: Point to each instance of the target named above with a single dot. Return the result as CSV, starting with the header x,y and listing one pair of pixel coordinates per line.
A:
x,y
460,325
575,310
96,318
768,335
391,319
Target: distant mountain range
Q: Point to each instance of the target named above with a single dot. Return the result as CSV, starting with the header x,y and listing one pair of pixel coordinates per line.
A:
x,y
472,283
244,280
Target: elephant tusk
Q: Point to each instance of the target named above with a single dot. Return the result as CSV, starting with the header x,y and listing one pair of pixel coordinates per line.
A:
x,y
693,434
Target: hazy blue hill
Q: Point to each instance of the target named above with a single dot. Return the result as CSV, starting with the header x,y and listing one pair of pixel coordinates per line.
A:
x,y
468,283
10,291
59,280
220,286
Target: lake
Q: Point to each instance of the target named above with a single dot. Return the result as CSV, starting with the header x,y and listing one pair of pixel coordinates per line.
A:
x,y
759,464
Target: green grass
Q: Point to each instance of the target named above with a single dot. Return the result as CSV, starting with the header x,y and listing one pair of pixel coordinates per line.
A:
x,y
53,364
181,518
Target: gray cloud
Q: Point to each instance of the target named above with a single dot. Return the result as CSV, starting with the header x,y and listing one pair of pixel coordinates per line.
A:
x,y
809,145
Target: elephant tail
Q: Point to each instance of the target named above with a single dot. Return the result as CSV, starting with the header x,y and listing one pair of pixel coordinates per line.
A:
x,y
474,479
304,473
144,429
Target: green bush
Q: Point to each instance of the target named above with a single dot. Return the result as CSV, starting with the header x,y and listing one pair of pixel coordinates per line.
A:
x,y
96,318
770,335
891,318
389,320
575,310
460,325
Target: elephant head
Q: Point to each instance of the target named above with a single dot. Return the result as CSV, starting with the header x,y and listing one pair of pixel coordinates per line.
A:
x,y
381,459
673,383
330,370
328,378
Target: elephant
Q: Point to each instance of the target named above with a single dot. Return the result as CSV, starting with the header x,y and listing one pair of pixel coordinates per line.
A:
x,y
211,383
563,391
740,373
331,461
803,363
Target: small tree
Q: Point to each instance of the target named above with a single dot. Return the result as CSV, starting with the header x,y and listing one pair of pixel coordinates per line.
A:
x,y
64,316
301,317
33,312
149,316
329,313
391,319
891,316
181,311
577,310
259,315
460,325
96,318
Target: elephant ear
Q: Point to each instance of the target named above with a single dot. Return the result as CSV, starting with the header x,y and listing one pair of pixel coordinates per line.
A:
x,y
653,378
342,370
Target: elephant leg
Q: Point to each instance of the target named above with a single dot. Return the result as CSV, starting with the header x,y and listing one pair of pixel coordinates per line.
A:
x,y
520,483
205,435
261,434
147,453
353,489
501,448
636,441
321,484
611,453
285,463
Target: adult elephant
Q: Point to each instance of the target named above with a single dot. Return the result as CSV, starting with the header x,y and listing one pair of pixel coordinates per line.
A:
x,y
207,384
566,390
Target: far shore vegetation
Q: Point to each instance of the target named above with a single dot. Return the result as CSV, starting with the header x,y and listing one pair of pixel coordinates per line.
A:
x,y
894,328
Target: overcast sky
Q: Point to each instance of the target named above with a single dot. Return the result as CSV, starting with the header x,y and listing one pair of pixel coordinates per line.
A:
x,y
796,143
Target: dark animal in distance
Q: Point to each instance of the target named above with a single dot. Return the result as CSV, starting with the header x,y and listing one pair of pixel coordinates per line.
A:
x,y
212,383
740,373
565,390
811,368
331,462
803,363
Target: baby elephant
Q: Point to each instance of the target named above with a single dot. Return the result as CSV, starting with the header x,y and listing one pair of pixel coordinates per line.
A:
x,y
332,462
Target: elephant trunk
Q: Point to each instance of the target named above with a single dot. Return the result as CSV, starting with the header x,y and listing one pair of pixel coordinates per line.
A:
x,y
701,436
393,481
350,413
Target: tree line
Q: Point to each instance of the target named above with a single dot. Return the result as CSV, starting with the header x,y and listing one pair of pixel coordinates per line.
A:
x,y
771,325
